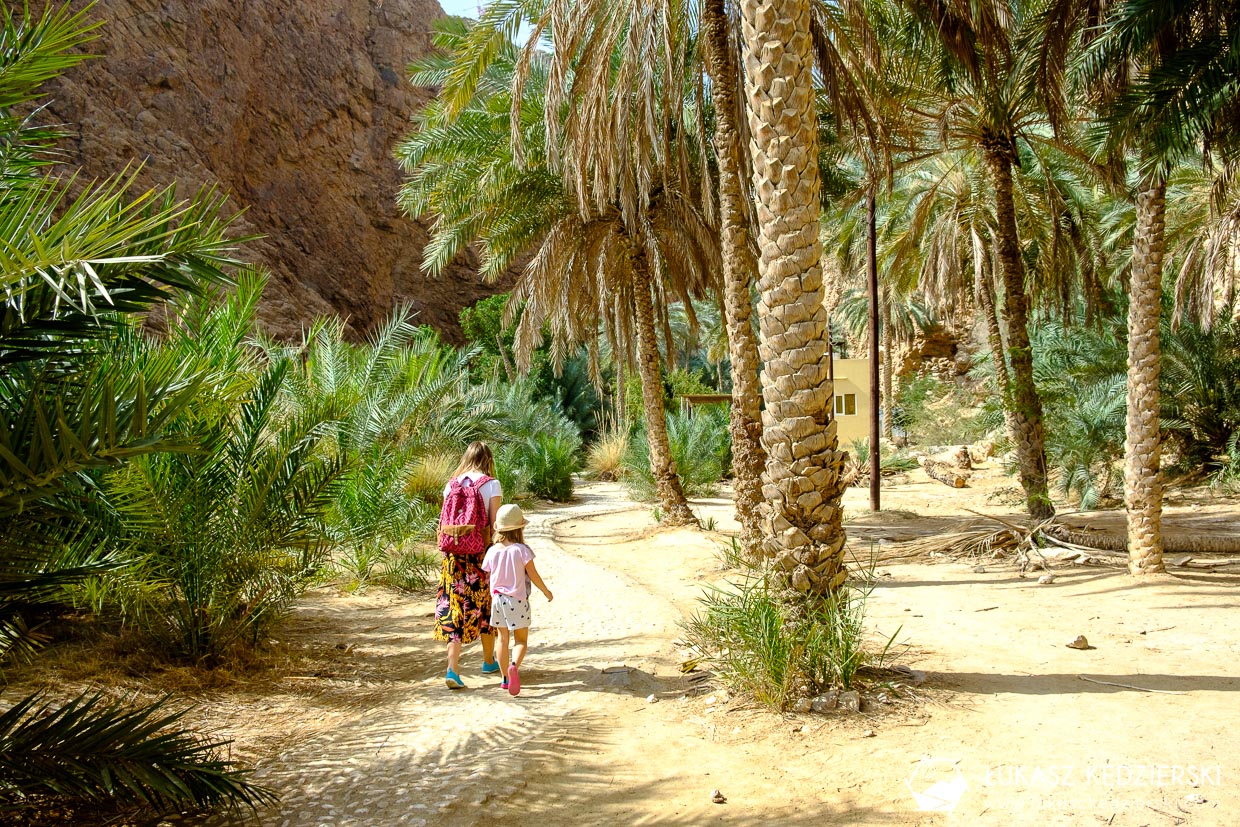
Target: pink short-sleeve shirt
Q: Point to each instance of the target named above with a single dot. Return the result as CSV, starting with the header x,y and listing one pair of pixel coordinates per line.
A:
x,y
506,565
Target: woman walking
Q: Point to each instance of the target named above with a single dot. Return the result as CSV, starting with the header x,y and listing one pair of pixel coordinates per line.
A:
x,y
463,601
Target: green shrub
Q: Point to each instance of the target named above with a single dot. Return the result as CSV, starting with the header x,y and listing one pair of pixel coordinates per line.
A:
x,y
701,448
763,647
222,539
544,464
408,569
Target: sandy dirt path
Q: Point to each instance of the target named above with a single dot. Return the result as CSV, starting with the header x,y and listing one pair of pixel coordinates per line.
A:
x,y
1005,725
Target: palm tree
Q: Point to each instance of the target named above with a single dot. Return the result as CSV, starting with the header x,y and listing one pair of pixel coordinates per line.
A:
x,y
1166,80
739,266
966,73
802,484
608,261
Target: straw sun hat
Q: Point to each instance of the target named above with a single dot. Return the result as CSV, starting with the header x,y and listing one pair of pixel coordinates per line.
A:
x,y
509,518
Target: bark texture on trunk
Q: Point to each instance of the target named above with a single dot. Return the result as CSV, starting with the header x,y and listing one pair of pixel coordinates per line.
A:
x,y
1025,404
802,518
667,482
984,286
739,267
1142,485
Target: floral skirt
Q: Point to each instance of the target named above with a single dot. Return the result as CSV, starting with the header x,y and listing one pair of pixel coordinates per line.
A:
x,y
463,601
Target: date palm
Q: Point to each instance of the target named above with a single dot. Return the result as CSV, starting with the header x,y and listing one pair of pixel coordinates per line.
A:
x,y
73,272
964,75
603,265
1163,78
802,484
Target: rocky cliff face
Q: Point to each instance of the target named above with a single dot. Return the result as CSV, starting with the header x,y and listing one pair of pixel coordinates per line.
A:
x,y
293,109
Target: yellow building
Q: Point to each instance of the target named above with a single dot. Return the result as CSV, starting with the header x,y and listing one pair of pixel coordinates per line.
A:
x,y
852,400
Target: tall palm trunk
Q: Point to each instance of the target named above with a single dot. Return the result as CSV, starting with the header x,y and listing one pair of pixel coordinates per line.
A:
x,y
889,363
667,484
745,419
801,514
1142,486
1022,395
984,286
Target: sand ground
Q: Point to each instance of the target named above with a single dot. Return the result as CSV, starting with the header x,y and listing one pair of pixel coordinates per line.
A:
x,y
1012,727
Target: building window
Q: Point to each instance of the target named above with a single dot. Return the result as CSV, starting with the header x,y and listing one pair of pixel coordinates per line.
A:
x,y
846,404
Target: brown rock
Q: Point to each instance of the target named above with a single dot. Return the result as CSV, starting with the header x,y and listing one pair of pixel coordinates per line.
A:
x,y
294,110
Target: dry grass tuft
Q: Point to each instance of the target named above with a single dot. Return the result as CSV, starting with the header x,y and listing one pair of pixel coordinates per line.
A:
x,y
606,456
428,477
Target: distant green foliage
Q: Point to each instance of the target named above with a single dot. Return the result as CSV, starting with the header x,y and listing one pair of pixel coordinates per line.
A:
x,y
701,448
934,412
1200,383
676,383
569,387
483,326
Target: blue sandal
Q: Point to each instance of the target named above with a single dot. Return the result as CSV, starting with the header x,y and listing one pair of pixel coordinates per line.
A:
x,y
491,668
453,680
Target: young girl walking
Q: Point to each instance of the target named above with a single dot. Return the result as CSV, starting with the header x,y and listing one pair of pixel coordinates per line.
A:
x,y
463,602
510,564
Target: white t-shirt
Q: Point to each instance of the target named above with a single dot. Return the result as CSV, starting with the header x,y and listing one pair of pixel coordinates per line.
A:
x,y
489,489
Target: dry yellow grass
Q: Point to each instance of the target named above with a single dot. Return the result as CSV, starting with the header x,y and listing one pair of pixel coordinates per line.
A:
x,y
606,457
428,476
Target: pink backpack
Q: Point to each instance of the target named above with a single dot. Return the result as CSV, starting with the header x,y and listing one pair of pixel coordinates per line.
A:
x,y
463,520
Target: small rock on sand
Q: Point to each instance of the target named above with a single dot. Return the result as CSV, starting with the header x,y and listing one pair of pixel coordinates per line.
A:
x,y
1080,643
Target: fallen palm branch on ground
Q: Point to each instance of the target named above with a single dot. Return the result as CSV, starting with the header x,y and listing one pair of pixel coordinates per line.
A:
x,y
1033,547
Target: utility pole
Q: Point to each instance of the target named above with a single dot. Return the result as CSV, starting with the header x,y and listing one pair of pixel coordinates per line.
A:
x,y
875,389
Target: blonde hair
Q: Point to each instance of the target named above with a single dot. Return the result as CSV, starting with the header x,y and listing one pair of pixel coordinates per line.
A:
x,y
477,457
512,535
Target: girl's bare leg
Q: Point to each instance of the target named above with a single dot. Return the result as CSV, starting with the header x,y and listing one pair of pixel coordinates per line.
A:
x,y
503,653
488,648
521,638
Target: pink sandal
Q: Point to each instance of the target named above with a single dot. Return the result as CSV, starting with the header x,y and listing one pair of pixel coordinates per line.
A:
x,y
514,680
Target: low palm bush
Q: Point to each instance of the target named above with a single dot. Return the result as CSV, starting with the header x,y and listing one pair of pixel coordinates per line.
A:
x,y
228,534
1200,384
371,514
544,464
701,448
762,646
89,749
536,446
1085,439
